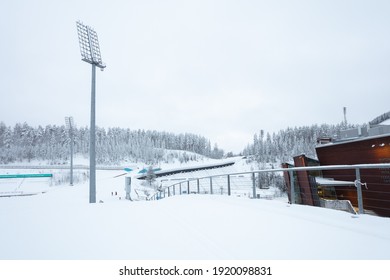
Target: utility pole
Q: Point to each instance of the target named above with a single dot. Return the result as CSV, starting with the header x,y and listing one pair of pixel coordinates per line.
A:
x,y
70,125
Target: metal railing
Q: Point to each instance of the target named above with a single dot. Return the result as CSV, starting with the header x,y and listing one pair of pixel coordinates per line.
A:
x,y
250,184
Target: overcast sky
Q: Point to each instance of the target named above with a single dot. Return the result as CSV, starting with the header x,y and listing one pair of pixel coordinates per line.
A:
x,y
221,69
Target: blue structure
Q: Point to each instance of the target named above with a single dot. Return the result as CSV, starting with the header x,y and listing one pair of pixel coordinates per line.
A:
x,y
145,170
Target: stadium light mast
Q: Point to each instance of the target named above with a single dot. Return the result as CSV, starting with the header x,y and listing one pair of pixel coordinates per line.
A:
x,y
70,125
90,53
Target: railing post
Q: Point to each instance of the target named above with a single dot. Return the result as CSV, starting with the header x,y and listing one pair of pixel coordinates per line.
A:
x,y
358,185
228,183
169,192
254,184
197,182
174,189
211,185
292,187
188,187
180,188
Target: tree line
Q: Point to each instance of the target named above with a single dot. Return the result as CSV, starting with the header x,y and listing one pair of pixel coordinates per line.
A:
x,y
287,143
284,145
113,145
51,143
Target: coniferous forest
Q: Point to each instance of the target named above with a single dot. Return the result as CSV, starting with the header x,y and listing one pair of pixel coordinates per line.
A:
x,y
287,143
51,143
113,145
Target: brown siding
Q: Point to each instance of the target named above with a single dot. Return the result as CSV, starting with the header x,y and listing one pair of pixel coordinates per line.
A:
x,y
369,150
303,181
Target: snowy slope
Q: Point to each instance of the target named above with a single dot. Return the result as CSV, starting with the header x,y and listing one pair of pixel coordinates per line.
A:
x,y
61,224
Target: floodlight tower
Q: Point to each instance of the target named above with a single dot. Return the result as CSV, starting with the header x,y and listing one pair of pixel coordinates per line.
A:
x,y
70,125
90,53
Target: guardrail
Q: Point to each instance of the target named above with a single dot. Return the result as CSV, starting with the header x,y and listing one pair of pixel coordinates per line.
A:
x,y
65,166
16,176
223,183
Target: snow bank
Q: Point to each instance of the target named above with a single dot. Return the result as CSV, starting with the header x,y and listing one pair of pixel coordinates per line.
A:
x,y
60,224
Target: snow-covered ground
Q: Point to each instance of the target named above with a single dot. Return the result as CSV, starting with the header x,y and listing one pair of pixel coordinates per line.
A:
x,y
61,224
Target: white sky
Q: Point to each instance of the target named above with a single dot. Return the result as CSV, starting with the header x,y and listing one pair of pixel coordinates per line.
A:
x,y
222,69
